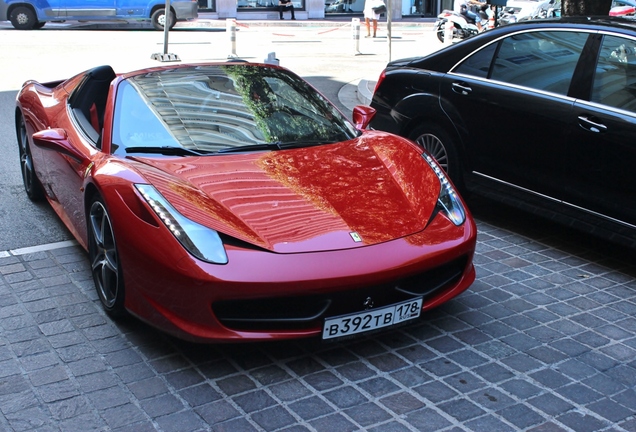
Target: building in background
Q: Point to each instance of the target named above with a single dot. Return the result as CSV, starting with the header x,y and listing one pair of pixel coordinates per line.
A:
x,y
316,9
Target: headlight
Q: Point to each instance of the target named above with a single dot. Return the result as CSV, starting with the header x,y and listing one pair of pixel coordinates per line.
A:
x,y
202,242
448,201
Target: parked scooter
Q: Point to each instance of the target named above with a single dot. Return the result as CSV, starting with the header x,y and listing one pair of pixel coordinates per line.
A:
x,y
462,27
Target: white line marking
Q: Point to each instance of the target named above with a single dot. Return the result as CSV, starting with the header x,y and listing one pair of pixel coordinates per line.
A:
x,y
40,248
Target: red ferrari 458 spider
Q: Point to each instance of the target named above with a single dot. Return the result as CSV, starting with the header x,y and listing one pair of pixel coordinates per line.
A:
x,y
232,201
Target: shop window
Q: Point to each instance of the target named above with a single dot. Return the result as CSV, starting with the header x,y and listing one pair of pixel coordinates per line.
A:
x,y
207,5
419,7
253,5
344,6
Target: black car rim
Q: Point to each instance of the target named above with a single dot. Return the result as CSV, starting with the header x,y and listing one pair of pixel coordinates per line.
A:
x,y
104,255
436,148
26,162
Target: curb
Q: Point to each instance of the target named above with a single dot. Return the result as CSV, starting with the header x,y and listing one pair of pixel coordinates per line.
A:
x,y
365,91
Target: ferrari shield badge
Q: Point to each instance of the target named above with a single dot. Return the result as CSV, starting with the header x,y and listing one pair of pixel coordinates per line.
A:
x,y
356,237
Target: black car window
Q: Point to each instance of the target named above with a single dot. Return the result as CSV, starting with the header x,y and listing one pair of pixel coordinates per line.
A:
x,y
478,64
542,60
615,77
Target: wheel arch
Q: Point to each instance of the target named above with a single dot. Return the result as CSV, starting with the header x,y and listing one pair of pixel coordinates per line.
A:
x,y
90,190
15,5
425,108
16,119
16,122
36,12
160,6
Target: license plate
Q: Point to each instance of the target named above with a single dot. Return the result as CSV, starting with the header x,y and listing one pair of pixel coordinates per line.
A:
x,y
372,319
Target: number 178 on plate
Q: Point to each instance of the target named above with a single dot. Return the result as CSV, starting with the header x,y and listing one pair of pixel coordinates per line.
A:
x,y
371,319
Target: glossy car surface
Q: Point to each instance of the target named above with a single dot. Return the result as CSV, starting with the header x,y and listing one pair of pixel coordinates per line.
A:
x,y
234,202
540,114
516,10
34,14
623,7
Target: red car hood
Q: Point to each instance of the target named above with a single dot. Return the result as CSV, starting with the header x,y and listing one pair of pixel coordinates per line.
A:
x,y
361,192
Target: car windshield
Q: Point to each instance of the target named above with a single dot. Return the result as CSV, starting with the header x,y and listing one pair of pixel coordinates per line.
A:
x,y
218,107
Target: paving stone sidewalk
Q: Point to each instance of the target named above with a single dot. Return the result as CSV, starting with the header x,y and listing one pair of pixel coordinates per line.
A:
x,y
545,340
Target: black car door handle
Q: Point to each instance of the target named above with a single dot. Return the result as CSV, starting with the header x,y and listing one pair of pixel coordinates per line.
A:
x,y
461,89
590,125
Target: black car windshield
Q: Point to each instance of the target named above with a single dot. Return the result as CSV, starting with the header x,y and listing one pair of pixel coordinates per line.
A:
x,y
213,108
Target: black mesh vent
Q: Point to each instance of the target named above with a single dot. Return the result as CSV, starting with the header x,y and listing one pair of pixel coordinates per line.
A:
x,y
307,312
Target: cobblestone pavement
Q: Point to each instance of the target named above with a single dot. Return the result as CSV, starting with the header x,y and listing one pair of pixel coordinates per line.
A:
x,y
545,340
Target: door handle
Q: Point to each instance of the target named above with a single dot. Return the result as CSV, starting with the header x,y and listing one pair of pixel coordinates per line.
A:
x,y
461,89
590,125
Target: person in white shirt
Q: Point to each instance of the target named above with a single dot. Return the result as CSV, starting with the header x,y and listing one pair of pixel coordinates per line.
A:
x,y
371,16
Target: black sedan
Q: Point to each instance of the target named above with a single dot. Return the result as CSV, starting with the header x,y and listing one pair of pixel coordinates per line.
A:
x,y
540,114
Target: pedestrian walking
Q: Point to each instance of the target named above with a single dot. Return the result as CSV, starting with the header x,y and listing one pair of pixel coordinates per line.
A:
x,y
372,11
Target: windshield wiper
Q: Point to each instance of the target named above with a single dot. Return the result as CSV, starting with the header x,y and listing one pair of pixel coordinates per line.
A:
x,y
278,145
165,150
305,143
251,147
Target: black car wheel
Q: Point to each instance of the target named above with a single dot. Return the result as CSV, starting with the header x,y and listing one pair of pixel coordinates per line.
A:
x,y
105,265
437,142
32,185
158,19
440,32
23,18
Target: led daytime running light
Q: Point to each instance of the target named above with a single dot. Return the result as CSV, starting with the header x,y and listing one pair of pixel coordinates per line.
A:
x,y
448,199
202,242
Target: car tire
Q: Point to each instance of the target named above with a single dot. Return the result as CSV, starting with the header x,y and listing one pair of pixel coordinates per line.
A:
x,y
23,18
32,185
439,144
158,19
104,258
440,32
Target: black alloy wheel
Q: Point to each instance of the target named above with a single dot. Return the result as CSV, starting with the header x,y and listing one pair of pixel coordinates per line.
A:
x,y
441,32
32,185
104,259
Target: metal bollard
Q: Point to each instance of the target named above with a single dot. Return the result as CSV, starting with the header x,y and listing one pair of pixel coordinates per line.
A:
x,y
448,32
230,26
355,30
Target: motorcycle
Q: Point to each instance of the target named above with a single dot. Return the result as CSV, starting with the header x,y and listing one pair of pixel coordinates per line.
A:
x,y
462,26
530,11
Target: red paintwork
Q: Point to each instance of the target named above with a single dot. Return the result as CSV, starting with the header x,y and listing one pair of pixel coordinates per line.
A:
x,y
304,200
300,204
622,11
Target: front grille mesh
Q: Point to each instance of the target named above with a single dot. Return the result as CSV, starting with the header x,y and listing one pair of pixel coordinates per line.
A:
x,y
307,312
